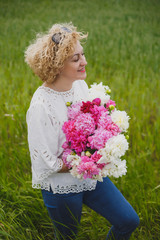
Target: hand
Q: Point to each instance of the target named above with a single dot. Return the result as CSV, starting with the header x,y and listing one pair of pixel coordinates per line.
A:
x,y
64,169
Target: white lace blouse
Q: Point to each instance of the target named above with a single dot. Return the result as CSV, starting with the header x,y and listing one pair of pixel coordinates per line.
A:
x,y
45,117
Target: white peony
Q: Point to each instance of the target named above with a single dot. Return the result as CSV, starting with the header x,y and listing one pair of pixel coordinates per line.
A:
x,y
117,168
121,119
106,157
98,177
75,173
111,153
74,160
99,91
116,146
122,168
99,87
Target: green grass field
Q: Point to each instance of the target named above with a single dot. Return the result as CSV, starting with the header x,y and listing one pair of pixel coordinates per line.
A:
x,y
123,51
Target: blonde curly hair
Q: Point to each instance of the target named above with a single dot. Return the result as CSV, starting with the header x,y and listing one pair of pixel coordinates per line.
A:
x,y
47,54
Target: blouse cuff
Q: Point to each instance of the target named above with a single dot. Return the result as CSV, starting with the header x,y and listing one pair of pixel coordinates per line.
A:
x,y
59,164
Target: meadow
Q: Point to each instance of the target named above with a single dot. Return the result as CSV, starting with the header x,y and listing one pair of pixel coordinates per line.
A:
x,y
123,52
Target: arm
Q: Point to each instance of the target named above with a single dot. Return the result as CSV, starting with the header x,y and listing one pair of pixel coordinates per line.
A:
x,y
43,143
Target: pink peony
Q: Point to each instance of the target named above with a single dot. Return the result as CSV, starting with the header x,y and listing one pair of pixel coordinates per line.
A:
x,y
66,145
78,142
85,159
96,112
97,101
74,110
85,123
64,157
68,127
95,157
98,140
88,169
105,122
87,106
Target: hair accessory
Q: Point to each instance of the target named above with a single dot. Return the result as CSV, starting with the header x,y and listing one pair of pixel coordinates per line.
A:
x,y
66,29
57,36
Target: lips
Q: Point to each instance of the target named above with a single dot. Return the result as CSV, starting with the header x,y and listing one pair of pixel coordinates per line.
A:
x,y
82,70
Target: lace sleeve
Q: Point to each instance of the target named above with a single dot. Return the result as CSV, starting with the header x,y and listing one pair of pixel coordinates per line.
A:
x,y
43,142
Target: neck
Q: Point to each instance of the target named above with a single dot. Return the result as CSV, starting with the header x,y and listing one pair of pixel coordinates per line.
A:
x,y
59,85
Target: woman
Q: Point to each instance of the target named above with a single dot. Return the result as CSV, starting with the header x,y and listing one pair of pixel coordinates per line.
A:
x,y
57,57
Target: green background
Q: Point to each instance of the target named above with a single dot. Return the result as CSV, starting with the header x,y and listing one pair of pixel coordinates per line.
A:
x,y
122,51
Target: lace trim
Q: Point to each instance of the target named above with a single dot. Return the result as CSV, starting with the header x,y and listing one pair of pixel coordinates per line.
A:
x,y
50,90
49,172
66,189
42,185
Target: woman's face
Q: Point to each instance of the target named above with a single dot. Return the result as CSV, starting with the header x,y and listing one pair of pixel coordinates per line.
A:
x,y
74,67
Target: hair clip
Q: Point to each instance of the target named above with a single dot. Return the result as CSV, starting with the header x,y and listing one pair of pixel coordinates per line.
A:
x,y
57,36
66,29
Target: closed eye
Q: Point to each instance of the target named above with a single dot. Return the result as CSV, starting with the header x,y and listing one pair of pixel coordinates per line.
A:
x,y
77,57
76,60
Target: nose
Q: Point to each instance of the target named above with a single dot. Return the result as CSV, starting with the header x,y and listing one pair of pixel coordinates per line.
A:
x,y
83,61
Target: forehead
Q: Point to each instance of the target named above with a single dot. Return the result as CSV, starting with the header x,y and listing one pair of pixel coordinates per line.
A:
x,y
78,47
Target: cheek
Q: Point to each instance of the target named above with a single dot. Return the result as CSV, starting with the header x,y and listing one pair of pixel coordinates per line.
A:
x,y
73,68
70,69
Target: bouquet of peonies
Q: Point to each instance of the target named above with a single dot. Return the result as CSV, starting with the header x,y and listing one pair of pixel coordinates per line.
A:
x,y
95,136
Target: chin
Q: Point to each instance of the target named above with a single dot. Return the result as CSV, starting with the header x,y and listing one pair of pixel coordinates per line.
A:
x,y
83,76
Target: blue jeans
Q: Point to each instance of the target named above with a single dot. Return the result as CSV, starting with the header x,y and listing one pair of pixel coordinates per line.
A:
x,y
65,210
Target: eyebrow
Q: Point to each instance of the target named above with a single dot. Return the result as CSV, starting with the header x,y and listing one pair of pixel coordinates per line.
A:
x,y
76,54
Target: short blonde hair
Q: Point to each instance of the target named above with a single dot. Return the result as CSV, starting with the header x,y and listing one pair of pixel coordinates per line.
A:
x,y
46,57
